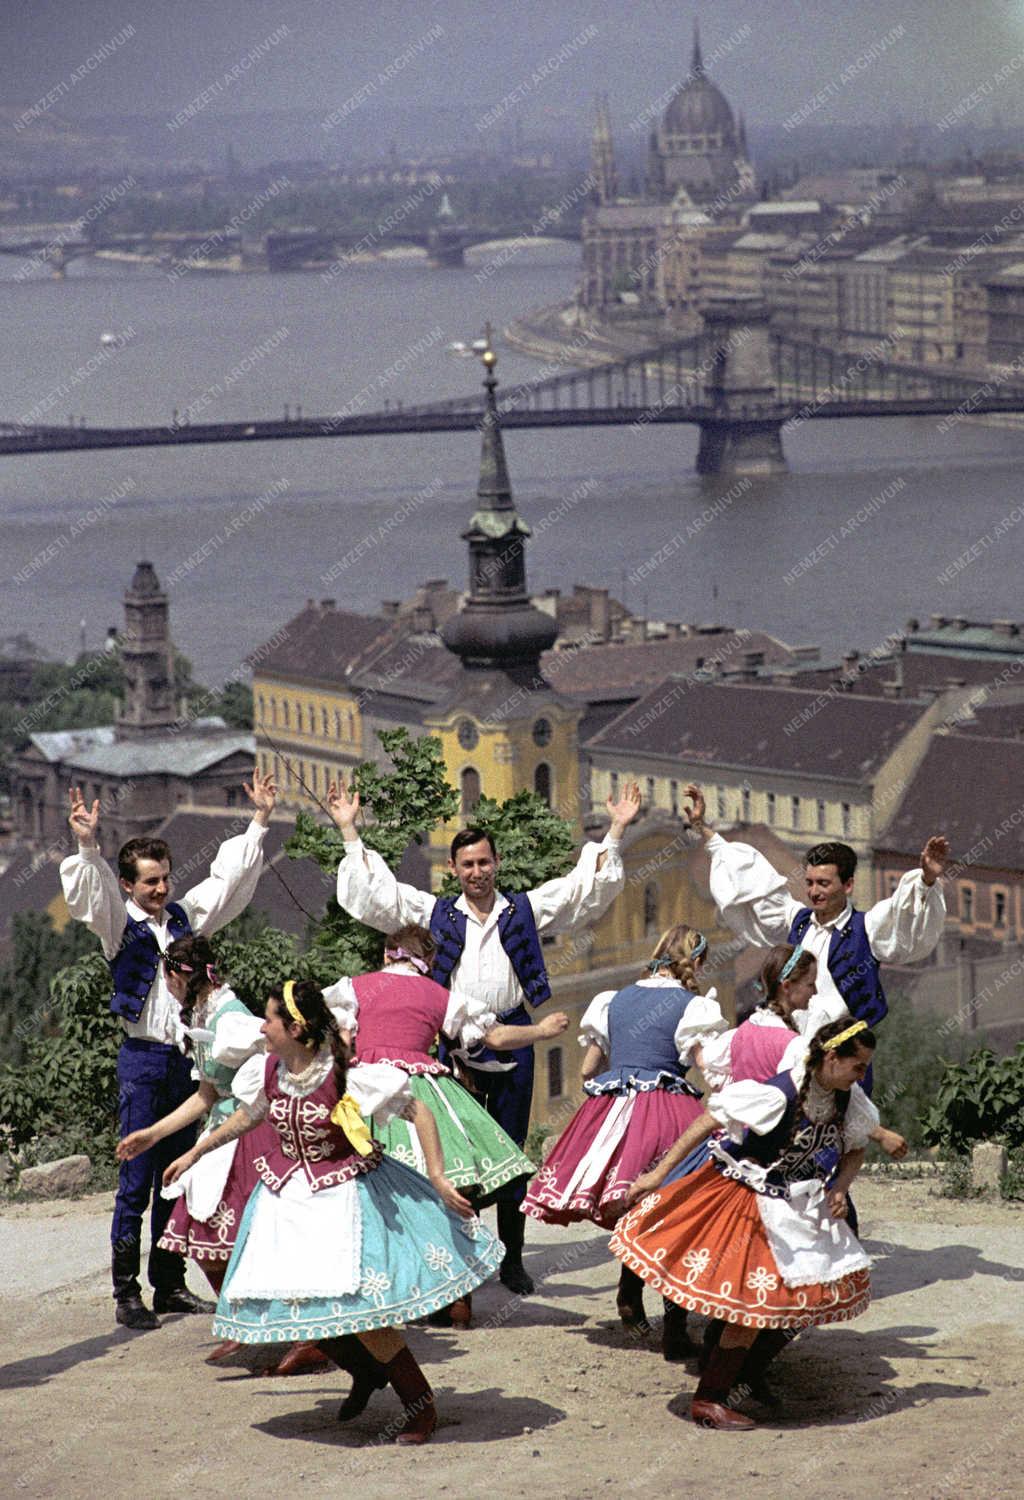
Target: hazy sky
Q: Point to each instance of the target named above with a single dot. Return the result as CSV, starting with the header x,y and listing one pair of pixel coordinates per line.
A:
x,y
635,49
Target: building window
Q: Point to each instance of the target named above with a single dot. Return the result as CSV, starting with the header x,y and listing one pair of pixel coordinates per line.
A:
x,y
999,908
720,801
273,710
542,782
470,789
337,723
967,904
351,725
556,1076
313,776
822,824
651,792
323,722
231,797
542,732
746,804
650,910
285,711
613,786
262,706
847,819
467,734
673,795
770,805
794,808
312,720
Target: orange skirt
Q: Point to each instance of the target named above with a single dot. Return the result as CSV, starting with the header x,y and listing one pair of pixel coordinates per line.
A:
x,y
701,1243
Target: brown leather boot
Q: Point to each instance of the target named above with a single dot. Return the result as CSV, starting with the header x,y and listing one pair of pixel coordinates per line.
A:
x,y
223,1351
302,1359
710,1407
462,1311
410,1385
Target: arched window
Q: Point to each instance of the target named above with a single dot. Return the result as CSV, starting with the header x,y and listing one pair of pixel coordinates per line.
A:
x,y
273,710
650,910
323,722
542,781
470,789
556,1076
337,723
312,719
351,725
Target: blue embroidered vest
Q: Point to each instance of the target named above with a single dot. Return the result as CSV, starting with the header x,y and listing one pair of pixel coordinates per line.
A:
x,y
853,966
792,1154
517,933
134,965
642,1021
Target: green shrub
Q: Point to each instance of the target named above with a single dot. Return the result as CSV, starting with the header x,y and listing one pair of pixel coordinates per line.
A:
x,y
980,1099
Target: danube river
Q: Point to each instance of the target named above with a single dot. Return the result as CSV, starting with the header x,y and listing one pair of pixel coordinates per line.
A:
x,y
876,521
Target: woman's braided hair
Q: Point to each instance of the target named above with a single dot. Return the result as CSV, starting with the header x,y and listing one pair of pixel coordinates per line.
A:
x,y
771,971
817,1052
676,945
192,958
319,1026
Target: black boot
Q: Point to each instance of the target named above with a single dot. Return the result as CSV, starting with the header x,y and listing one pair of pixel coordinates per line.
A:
x,y
511,1231
709,1342
130,1311
675,1341
629,1300
769,1343
368,1374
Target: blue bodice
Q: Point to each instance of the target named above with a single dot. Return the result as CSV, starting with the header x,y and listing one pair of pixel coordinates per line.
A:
x,y
642,1022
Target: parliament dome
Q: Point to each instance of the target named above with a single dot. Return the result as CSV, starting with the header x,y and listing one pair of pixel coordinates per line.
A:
x,y
699,108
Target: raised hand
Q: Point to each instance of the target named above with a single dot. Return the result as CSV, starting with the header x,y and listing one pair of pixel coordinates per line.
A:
x,y
262,794
934,858
343,807
625,810
697,812
83,820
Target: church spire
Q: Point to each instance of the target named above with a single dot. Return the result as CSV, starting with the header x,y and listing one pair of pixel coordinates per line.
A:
x,y
603,154
697,61
497,626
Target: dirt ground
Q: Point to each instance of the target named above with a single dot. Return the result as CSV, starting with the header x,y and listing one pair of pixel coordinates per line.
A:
x,y
921,1397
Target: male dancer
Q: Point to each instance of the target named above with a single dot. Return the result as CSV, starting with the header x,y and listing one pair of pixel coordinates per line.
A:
x,y
135,921
849,944
488,945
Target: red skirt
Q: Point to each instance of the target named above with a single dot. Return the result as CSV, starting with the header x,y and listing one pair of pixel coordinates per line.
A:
x,y
214,1238
701,1242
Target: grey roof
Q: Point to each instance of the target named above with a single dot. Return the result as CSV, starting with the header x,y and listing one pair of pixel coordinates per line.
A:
x,y
968,788
761,728
204,744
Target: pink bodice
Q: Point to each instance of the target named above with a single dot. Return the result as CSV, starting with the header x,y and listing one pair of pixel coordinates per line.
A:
x,y
756,1051
400,1016
307,1140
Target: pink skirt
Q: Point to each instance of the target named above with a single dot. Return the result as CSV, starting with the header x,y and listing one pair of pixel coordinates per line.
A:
x,y
608,1143
214,1238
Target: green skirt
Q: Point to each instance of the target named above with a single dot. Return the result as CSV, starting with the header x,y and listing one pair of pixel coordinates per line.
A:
x,y
478,1155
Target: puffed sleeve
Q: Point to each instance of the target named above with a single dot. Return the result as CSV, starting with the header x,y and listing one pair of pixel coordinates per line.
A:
x,y
701,1021
381,1091
717,1061
237,1036
861,1119
343,1005
594,1022
468,1019
247,1086
747,1106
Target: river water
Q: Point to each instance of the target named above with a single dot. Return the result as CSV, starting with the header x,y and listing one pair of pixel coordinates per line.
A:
x,y
863,532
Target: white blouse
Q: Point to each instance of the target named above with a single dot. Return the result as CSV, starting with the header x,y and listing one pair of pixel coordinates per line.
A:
x,y
747,1105
380,1090
701,1021
467,1019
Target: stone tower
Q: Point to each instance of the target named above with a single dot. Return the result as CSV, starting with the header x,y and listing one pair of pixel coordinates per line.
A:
x,y
147,655
606,181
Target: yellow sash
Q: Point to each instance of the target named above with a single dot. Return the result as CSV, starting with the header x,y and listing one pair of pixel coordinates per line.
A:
x,y
346,1115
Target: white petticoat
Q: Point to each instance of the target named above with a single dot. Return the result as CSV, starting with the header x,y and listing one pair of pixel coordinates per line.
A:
x,y
301,1244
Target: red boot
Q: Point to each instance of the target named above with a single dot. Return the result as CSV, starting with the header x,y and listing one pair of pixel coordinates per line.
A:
x,y
302,1359
462,1311
710,1406
223,1351
410,1385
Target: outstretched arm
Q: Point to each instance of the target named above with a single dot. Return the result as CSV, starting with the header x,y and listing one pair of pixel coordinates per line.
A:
x,y
907,925
752,896
703,1126
508,1038
90,886
132,1145
598,876
367,888
238,1124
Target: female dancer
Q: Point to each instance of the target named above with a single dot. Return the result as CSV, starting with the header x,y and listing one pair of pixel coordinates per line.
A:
x,y
640,1042
752,1237
395,1016
338,1239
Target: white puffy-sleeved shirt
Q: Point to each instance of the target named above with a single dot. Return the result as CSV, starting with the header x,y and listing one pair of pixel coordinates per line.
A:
x,y
93,896
701,1021
755,903
747,1105
380,1090
467,1020
368,890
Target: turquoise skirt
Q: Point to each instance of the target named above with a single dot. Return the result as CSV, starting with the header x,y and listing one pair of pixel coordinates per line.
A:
x,y
413,1256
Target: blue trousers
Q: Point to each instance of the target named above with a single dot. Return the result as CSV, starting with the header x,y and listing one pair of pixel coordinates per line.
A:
x,y
507,1098
152,1080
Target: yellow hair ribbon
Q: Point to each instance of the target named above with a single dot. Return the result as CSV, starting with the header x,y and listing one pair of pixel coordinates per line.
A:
x,y
345,1114
293,1010
844,1036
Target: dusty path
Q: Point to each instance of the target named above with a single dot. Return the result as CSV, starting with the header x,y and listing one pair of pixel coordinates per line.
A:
x,y
922,1397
